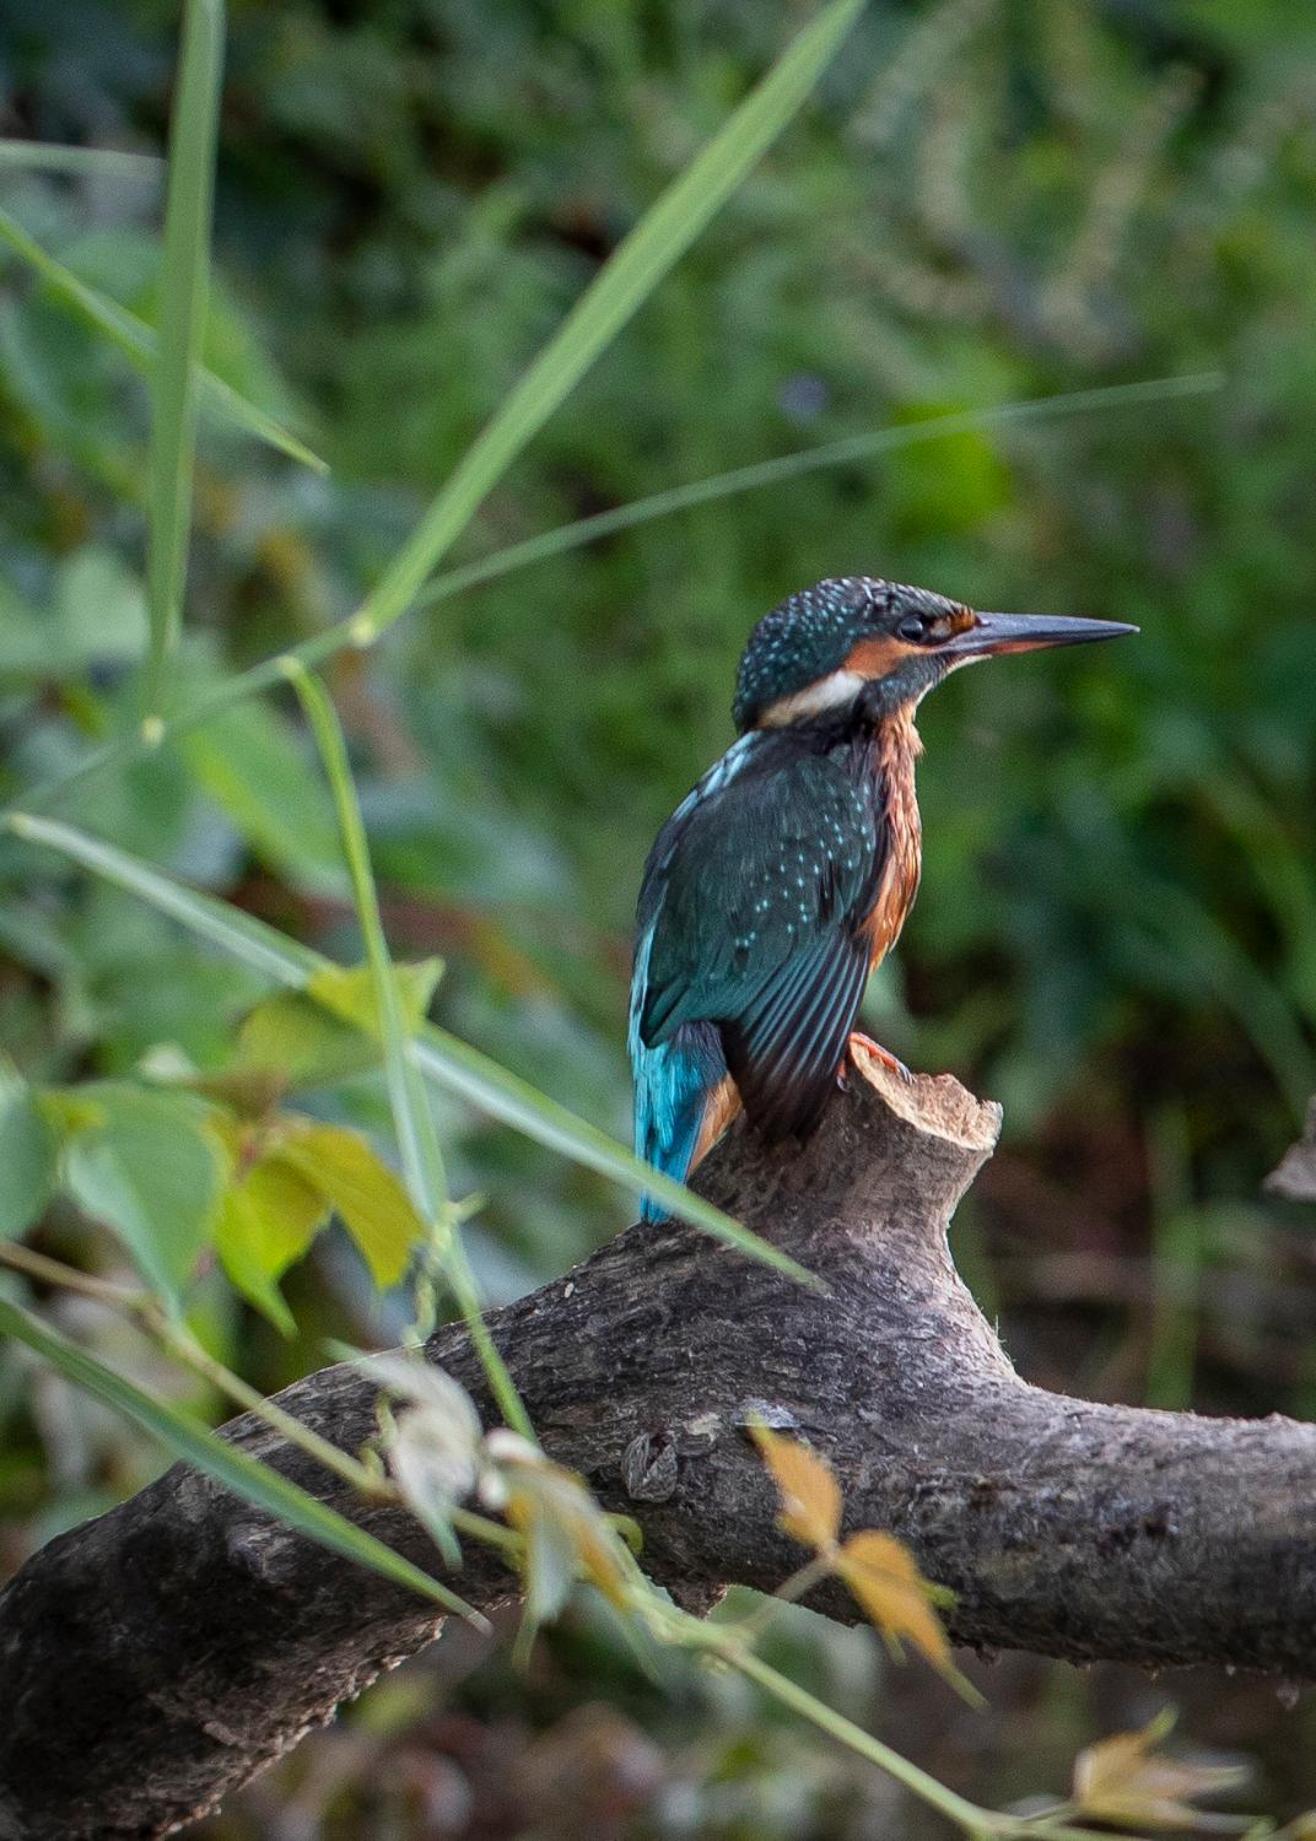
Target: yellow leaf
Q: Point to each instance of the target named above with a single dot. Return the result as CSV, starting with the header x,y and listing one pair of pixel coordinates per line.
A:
x,y
266,1221
1124,1780
884,1576
810,1494
347,1173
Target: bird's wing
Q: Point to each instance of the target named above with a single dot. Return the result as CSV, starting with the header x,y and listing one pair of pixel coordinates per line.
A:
x,y
752,917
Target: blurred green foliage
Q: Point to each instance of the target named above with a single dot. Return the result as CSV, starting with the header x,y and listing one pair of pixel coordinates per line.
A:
x,y
988,200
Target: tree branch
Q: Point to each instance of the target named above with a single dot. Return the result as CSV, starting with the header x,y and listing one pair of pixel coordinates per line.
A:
x,y
153,1660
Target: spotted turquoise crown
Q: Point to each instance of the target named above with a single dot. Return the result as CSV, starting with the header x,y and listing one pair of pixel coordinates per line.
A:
x,y
811,634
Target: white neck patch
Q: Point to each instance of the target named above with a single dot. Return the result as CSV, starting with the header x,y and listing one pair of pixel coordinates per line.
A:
x,y
829,693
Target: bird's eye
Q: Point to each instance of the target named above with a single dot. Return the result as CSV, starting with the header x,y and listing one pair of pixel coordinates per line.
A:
x,y
911,627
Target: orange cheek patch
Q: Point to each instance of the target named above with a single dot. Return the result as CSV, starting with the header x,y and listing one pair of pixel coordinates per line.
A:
x,y
874,658
880,654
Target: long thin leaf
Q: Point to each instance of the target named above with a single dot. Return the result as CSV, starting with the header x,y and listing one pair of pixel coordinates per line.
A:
x,y
93,162
418,1140
184,302
786,467
227,1464
270,671
625,282
422,1159
451,1064
241,935
137,342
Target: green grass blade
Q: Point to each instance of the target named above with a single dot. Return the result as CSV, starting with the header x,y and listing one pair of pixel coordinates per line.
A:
x,y
626,281
451,1064
184,302
92,162
464,1071
785,467
255,1482
418,1140
273,670
256,945
422,1159
137,342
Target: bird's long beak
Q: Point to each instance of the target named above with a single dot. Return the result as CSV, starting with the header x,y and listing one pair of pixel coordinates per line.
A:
x,y
995,633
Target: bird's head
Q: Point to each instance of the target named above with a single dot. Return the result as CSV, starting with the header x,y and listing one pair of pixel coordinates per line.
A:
x,y
825,648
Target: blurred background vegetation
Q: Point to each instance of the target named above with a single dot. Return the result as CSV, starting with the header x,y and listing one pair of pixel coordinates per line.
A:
x,y
987,201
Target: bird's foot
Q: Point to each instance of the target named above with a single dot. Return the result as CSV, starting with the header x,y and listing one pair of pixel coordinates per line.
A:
x,y
875,1049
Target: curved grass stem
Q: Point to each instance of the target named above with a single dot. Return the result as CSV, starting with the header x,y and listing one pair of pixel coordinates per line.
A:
x,y
418,1138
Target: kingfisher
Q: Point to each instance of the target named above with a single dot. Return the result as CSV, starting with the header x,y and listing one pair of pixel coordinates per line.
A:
x,y
784,878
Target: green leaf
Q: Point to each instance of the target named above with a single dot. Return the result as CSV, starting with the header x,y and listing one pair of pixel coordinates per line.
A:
x,y
97,614
313,1040
27,1156
451,1064
184,296
350,992
149,1169
138,344
626,280
622,286
253,1481
240,1244
252,763
263,949
341,1165
295,1042
99,610
266,1222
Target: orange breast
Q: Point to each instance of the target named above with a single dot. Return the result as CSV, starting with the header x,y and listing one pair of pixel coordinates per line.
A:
x,y
895,750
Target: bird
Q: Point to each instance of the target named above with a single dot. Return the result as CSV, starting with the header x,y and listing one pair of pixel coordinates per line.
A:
x,y
786,875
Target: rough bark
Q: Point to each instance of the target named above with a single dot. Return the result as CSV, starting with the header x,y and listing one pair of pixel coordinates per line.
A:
x,y
154,1659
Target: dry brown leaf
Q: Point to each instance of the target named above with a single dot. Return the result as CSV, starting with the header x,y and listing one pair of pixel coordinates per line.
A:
x,y
565,1530
1124,1780
810,1494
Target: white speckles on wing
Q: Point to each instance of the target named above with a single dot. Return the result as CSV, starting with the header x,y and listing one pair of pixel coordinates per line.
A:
x,y
750,876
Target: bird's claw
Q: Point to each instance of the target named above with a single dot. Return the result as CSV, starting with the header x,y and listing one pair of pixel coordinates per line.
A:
x,y
889,1061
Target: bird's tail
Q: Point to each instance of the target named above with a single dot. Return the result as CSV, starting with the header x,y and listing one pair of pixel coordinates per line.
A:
x,y
674,1084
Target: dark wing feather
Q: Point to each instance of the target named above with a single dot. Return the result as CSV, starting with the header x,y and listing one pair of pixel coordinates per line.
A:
x,y
784,1053
756,894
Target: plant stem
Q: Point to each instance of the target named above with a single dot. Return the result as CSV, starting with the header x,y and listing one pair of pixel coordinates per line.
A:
x,y
978,1823
413,1122
457,1269
956,1808
55,1272
181,1344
